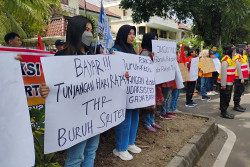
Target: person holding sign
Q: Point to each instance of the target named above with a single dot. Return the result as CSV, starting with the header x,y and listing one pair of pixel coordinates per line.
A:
x,y
78,42
149,112
190,84
226,80
205,77
175,93
13,40
241,76
126,131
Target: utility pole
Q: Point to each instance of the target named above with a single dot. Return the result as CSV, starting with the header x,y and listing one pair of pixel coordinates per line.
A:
x,y
85,8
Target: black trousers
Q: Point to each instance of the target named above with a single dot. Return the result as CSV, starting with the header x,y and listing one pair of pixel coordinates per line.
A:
x,y
215,77
190,91
238,91
225,97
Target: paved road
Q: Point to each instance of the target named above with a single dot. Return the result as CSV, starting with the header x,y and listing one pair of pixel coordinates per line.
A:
x,y
240,125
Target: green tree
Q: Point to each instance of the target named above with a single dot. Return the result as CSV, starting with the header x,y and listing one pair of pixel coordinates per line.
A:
x,y
212,19
25,17
238,33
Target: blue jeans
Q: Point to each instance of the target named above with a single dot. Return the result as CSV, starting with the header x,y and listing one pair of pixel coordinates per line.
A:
x,y
174,98
167,94
125,132
149,119
210,85
204,86
83,154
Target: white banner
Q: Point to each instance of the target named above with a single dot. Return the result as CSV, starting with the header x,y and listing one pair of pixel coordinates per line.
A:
x,y
141,85
87,97
194,69
17,145
217,64
178,77
164,58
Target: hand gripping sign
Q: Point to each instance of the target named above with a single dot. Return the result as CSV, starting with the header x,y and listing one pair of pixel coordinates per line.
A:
x,y
87,97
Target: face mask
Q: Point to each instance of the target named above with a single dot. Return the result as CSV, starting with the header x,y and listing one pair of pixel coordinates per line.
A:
x,y
87,38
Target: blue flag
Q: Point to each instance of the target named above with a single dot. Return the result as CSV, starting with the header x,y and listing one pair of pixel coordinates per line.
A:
x,y
103,29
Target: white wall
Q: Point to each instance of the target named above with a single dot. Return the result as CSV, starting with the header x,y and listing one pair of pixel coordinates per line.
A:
x,y
72,8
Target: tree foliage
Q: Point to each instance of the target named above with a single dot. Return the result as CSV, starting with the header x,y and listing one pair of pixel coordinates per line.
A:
x,y
37,121
216,21
25,17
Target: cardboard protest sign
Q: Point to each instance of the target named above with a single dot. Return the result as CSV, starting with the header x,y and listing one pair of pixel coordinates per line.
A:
x,y
178,76
32,73
207,65
194,69
217,64
16,139
184,71
164,58
141,85
87,97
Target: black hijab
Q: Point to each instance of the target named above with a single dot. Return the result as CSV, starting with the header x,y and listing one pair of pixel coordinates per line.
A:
x,y
147,40
121,39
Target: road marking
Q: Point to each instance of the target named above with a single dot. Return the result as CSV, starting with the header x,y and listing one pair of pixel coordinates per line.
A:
x,y
226,149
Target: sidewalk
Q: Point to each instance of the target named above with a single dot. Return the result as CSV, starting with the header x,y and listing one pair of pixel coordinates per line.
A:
x,y
240,125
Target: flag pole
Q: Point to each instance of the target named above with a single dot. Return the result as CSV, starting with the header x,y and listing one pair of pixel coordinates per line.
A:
x,y
96,42
96,34
104,30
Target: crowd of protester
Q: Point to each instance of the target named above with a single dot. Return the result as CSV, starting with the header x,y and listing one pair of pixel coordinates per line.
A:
x,y
234,73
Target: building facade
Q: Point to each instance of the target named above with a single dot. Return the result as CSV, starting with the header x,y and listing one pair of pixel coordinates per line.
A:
x,y
70,6
167,29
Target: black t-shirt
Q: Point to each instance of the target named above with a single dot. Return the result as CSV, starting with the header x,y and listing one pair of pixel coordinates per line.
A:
x,y
63,53
60,53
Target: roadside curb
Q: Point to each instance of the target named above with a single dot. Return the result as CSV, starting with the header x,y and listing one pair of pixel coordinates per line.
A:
x,y
191,152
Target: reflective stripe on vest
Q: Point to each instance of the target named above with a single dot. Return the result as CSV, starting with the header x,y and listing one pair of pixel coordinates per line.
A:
x,y
244,68
230,69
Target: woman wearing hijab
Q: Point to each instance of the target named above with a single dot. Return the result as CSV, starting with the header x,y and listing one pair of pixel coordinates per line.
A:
x,y
149,112
126,131
78,42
